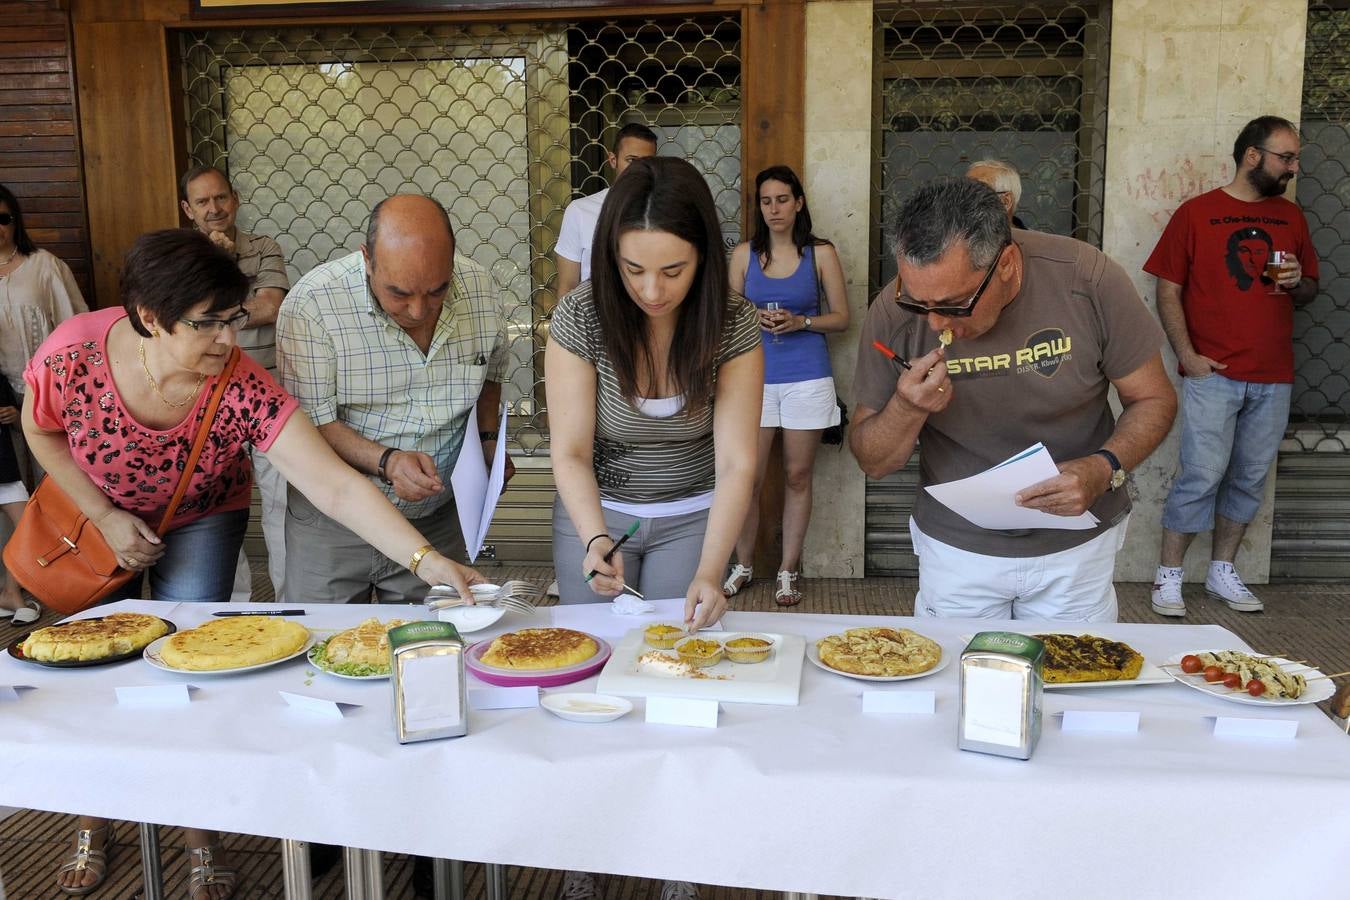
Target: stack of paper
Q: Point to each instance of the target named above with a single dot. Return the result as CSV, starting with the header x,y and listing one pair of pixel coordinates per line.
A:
x,y
988,499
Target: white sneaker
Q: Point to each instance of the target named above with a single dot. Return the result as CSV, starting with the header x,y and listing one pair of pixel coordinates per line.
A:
x,y
679,890
552,589
1166,597
580,886
1224,583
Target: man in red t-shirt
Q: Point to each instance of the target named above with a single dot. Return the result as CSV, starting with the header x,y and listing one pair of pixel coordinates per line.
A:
x,y
1231,265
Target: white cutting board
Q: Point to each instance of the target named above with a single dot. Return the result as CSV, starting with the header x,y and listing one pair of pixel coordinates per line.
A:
x,y
777,680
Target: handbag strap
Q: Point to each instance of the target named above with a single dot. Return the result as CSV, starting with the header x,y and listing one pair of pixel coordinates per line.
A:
x,y
822,302
199,440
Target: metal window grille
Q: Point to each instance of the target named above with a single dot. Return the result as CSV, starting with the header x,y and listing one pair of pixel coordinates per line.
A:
x,y
1321,397
504,124
956,82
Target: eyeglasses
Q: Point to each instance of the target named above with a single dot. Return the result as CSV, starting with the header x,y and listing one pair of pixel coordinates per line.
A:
x,y
6,219
961,310
1287,158
216,326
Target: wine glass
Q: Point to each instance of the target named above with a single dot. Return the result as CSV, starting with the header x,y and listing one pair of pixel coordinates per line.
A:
x,y
1275,268
774,306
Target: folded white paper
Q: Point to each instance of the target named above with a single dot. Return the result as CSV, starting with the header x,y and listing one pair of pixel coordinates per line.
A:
x,y
1268,729
154,695
989,498
503,697
431,692
682,711
319,706
11,691
476,488
993,706
1117,721
913,702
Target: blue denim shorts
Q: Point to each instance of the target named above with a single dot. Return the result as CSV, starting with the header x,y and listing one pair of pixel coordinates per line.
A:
x,y
1230,433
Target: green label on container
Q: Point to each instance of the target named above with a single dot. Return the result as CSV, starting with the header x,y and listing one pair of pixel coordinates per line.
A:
x,y
1008,642
423,631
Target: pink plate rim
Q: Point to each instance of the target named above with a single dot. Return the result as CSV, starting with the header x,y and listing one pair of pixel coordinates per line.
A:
x,y
541,678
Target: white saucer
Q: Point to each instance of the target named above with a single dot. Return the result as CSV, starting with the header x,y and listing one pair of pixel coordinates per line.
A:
x,y
581,707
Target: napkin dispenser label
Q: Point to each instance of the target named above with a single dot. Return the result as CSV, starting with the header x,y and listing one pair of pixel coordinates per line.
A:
x,y
428,679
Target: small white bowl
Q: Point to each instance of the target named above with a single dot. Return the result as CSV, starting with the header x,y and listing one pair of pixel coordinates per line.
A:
x,y
580,707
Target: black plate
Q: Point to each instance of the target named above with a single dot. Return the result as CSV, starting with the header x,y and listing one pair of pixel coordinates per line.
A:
x,y
16,651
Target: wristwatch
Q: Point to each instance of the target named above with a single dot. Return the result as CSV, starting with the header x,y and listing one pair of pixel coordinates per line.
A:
x,y
1117,473
806,323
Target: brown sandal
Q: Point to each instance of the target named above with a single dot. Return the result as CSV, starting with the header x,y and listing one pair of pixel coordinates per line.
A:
x,y
87,859
205,873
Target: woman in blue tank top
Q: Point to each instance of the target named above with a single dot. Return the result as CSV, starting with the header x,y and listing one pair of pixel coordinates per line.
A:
x,y
783,263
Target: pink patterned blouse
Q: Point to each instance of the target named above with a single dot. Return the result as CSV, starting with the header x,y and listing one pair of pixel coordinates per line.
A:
x,y
137,467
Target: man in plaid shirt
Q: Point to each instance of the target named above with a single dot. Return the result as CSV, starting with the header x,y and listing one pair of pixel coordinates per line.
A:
x,y
387,350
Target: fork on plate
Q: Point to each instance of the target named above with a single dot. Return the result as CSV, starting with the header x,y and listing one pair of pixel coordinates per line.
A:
x,y
512,595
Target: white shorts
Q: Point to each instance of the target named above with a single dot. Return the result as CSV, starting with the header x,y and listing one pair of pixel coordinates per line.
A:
x,y
14,492
1073,584
800,405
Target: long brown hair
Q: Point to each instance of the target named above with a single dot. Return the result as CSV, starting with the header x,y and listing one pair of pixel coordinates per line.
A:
x,y
667,194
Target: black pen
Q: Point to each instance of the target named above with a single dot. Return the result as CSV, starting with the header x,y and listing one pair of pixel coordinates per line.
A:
x,y
260,612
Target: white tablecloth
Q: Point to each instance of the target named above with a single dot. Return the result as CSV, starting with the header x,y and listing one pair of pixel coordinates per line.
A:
x,y
817,798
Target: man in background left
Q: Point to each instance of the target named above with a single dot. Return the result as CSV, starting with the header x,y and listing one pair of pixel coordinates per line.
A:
x,y
211,203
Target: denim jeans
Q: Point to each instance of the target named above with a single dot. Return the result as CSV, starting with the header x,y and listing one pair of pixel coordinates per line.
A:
x,y
198,561
1230,433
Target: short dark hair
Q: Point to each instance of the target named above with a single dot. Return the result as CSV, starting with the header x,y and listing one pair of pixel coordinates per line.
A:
x,y
635,130
946,210
373,226
1256,132
170,271
196,172
662,193
22,241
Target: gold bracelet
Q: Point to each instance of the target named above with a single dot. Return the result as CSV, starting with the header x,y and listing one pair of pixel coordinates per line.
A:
x,y
418,556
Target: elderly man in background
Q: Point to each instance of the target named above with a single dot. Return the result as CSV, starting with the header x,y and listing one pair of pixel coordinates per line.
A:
x,y
387,350
211,203
1005,181
1042,327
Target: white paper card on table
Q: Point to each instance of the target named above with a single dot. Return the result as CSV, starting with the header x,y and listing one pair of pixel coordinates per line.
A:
x,y
11,691
913,702
993,706
1112,720
431,692
1268,729
989,498
504,697
319,706
477,488
154,695
682,711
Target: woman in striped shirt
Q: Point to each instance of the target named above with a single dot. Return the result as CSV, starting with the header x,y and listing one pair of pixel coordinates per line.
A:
x,y
655,379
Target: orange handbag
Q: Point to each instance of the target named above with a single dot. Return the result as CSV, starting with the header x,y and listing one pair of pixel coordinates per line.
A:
x,y
61,558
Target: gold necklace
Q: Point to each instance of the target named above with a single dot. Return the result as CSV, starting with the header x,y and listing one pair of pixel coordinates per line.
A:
x,y
154,385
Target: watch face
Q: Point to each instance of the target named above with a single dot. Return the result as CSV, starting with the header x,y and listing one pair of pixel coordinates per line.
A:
x,y
1117,478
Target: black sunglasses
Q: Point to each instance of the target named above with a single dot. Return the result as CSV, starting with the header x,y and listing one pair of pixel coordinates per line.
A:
x,y
959,311
6,218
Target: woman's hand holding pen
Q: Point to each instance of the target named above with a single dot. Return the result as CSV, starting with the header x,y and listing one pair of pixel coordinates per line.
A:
x,y
608,580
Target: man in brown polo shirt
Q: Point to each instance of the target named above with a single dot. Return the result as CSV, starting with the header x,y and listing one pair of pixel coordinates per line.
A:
x,y
1042,327
211,203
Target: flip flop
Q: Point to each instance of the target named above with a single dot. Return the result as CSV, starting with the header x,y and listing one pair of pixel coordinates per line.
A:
x,y
27,614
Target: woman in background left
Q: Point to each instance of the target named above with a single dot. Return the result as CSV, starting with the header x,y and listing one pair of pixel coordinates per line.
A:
x,y
37,293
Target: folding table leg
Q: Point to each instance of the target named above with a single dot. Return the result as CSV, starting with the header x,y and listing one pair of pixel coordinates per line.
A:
x,y
365,873
495,876
447,877
295,869
151,868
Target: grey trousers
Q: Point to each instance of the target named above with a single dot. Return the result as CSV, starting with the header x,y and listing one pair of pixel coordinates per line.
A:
x,y
326,562
659,560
